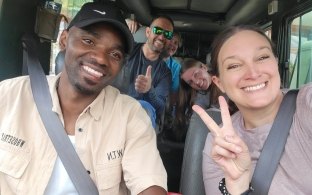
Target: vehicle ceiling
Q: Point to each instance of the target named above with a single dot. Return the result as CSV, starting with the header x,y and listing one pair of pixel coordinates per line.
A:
x,y
198,20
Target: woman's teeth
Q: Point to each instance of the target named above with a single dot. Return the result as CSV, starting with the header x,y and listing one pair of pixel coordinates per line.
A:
x,y
255,87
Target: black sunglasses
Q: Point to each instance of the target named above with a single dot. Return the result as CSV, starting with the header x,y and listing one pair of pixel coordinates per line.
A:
x,y
158,31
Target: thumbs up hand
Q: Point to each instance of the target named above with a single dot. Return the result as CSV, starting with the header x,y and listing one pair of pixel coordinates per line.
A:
x,y
143,82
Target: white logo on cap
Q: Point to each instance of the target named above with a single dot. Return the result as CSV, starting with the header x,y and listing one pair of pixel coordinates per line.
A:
x,y
103,12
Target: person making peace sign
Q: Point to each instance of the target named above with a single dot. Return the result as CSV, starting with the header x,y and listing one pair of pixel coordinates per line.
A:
x,y
245,68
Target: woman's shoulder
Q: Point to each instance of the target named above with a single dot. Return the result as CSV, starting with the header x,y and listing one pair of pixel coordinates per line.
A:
x,y
304,98
305,89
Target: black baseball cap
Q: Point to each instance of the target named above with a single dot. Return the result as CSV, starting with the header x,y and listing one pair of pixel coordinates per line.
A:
x,y
94,12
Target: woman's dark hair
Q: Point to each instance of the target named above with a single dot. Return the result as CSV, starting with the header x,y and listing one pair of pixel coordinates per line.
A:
x,y
218,42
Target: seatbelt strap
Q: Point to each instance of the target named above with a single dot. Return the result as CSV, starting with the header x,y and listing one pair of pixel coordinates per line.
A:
x,y
53,125
274,145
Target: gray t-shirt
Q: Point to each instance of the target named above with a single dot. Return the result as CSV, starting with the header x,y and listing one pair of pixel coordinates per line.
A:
x,y
294,172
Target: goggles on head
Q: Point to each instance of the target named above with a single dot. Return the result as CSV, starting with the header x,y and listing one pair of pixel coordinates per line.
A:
x,y
158,31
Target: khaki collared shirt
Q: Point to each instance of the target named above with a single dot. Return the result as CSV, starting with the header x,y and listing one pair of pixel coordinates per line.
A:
x,y
114,140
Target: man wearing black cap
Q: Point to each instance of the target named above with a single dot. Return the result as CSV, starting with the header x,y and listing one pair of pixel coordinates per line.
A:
x,y
111,133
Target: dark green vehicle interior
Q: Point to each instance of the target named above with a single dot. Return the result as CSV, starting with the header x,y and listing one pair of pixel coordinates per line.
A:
x,y
286,22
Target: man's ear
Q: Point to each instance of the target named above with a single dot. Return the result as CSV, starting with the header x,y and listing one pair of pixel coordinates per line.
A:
x,y
218,83
63,40
147,31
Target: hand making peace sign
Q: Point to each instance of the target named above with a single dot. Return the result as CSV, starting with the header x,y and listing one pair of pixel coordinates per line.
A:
x,y
229,151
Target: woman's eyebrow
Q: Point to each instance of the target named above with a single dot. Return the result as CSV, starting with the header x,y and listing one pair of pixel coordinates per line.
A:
x,y
234,56
228,58
265,47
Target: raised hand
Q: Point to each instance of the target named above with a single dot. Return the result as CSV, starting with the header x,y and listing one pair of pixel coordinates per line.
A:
x,y
229,151
133,25
143,82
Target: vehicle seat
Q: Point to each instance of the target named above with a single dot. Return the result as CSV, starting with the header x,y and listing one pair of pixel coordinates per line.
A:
x,y
59,62
139,36
191,174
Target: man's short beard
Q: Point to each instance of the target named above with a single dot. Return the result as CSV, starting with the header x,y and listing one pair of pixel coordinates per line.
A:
x,y
83,90
151,46
156,50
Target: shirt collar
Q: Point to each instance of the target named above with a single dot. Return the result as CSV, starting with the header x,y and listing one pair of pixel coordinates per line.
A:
x,y
97,106
94,109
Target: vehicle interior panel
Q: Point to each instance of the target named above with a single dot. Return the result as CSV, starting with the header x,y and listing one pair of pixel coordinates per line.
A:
x,y
198,20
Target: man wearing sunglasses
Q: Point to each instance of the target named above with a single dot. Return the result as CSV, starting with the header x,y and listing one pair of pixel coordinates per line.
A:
x,y
145,75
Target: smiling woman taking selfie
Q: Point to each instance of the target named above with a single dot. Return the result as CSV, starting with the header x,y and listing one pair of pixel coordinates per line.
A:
x,y
248,74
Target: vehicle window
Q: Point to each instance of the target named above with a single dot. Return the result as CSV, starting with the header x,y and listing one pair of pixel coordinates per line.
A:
x,y
69,9
268,32
0,8
300,67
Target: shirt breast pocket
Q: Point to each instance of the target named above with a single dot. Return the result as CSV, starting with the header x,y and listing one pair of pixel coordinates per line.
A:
x,y
109,178
13,164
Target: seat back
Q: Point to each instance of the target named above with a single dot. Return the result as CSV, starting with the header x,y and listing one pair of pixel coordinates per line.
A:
x,y
139,36
191,174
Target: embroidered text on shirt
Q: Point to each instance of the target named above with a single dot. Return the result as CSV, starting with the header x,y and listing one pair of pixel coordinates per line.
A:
x,y
114,154
12,140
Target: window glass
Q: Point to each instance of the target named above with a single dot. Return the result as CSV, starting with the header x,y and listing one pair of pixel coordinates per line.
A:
x,y
69,9
300,62
268,32
1,8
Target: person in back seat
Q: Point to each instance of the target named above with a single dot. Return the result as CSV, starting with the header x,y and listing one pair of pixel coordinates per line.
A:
x,y
111,133
173,65
195,83
194,88
245,67
145,75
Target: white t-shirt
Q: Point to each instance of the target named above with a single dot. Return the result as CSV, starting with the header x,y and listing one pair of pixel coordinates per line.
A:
x,y
60,183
